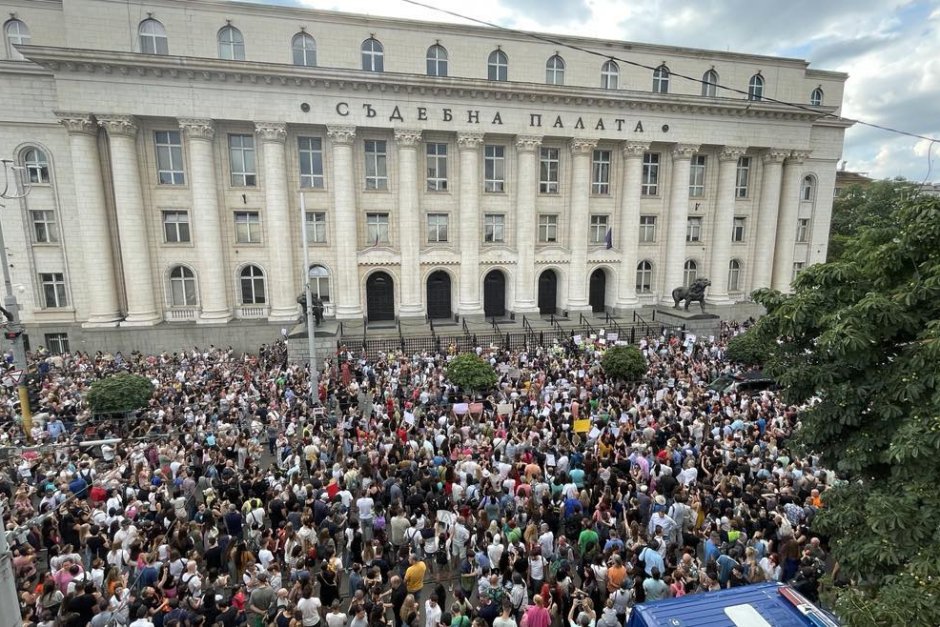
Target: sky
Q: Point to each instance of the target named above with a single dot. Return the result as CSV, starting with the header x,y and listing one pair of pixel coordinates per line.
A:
x,y
889,48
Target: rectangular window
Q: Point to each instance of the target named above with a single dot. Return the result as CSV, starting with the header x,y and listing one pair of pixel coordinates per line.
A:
x,y
647,229
169,158
697,177
742,178
437,228
802,230
548,170
175,227
376,164
693,230
311,162
44,227
53,289
315,224
494,168
548,229
377,228
241,157
600,173
650,184
798,267
738,229
437,167
57,343
494,227
247,227
598,229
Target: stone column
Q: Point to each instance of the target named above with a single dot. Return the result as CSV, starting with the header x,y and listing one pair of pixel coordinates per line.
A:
x,y
409,222
767,218
786,221
629,223
132,220
468,145
526,147
678,219
346,279
724,224
207,220
102,293
282,283
581,151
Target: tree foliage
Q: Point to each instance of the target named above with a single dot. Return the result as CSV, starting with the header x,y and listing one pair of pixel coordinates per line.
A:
x,y
869,207
625,363
862,334
748,348
119,393
471,372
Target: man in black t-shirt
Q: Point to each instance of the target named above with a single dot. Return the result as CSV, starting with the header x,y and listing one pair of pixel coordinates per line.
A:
x,y
84,606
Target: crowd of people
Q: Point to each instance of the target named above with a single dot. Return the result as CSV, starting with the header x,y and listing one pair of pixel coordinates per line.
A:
x,y
396,498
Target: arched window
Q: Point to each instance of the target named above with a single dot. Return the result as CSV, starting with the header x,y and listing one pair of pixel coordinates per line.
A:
x,y
661,80
151,35
304,50
373,55
755,87
182,287
808,190
734,276
689,272
252,285
319,283
37,166
16,33
710,84
816,98
231,44
497,66
610,75
644,277
555,70
437,60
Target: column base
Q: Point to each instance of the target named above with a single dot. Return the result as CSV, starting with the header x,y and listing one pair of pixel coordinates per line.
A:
x,y
525,307
718,299
141,320
411,311
284,314
101,322
345,312
470,309
214,317
628,302
577,308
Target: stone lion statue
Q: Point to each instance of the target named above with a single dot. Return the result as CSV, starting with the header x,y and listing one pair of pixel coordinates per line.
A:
x,y
694,292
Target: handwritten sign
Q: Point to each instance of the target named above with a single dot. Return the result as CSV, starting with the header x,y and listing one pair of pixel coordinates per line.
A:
x,y
582,426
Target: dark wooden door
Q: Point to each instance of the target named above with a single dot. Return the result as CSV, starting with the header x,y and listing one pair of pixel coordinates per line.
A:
x,y
438,295
494,294
598,290
548,292
380,297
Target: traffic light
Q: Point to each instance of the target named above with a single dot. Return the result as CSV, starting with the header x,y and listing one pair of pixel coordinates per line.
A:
x,y
33,391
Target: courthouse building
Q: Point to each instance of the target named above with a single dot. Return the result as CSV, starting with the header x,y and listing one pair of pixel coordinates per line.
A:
x,y
447,170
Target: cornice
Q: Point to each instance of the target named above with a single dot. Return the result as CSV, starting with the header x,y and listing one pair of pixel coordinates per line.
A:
x,y
70,61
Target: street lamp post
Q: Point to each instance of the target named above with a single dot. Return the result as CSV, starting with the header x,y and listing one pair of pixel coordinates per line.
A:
x,y
311,322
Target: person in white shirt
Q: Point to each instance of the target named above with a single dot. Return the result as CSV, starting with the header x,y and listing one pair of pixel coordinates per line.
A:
x,y
547,542
432,612
309,607
365,504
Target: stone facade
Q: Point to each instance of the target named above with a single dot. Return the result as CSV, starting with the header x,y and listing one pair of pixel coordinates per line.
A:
x,y
173,181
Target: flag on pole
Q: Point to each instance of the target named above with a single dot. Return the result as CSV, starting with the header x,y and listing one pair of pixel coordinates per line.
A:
x,y
609,238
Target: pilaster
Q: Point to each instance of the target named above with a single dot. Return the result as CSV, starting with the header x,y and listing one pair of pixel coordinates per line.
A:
x,y
628,237
768,210
346,282
527,162
678,219
409,221
724,224
787,219
468,147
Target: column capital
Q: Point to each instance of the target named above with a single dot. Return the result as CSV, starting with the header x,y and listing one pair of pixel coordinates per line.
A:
x,y
580,146
341,135
634,149
407,137
77,122
198,128
798,156
775,155
469,141
731,153
272,132
528,143
118,124
684,151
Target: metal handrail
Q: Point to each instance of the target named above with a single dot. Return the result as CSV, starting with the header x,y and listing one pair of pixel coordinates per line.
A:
x,y
611,322
529,331
495,325
584,323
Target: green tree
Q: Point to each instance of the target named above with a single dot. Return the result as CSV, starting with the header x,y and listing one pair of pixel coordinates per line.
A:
x,y
748,348
471,372
625,363
859,208
862,335
119,393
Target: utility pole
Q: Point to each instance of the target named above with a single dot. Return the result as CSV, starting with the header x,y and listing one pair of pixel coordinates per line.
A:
x,y
311,322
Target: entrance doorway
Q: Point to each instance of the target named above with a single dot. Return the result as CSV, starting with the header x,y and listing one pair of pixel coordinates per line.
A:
x,y
548,292
494,294
598,291
438,295
380,297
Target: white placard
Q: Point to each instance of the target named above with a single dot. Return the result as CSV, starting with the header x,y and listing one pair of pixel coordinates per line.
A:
x,y
613,337
409,418
461,408
577,339
594,433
